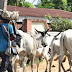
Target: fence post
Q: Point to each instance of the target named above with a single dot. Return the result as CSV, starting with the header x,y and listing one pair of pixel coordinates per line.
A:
x,y
3,5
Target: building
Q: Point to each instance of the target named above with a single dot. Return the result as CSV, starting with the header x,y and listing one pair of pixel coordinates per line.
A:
x,y
31,18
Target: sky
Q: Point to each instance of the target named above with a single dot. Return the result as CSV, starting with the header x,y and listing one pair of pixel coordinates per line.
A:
x,y
31,1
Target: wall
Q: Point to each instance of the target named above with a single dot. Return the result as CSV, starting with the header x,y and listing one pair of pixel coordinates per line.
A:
x,y
40,25
30,24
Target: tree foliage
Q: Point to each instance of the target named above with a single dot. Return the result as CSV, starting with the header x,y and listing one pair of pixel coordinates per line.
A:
x,y
69,5
60,4
51,4
27,4
11,2
60,24
20,3
46,4
56,4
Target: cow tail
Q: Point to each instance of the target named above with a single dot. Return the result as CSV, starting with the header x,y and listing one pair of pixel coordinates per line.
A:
x,y
61,45
61,51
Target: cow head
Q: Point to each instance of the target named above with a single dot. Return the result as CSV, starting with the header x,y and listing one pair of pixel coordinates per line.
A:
x,y
40,34
49,40
46,39
18,39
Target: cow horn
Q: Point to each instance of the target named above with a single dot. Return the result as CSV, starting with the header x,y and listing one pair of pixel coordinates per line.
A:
x,y
48,34
46,31
57,34
37,30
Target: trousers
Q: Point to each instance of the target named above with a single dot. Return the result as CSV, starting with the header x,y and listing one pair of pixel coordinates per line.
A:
x,y
5,63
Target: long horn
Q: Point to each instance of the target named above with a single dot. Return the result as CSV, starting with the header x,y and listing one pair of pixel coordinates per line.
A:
x,y
48,34
57,34
46,31
38,31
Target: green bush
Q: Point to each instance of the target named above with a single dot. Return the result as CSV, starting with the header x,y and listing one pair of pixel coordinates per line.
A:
x,y
60,24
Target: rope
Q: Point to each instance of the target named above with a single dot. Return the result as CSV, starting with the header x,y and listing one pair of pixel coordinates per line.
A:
x,y
8,37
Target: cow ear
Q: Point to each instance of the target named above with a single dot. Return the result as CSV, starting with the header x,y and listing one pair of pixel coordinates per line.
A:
x,y
37,31
57,34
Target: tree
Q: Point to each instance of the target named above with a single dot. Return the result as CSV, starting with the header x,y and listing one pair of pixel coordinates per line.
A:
x,y
11,2
69,5
27,4
46,4
53,4
20,3
60,4
59,24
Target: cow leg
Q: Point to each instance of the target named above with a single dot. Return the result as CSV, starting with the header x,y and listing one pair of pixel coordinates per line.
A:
x,y
50,63
63,67
52,54
60,61
37,61
24,67
69,59
13,60
47,58
68,55
15,67
46,65
32,64
70,62
70,66
23,63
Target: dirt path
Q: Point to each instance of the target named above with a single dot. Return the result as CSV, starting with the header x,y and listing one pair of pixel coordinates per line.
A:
x,y
42,66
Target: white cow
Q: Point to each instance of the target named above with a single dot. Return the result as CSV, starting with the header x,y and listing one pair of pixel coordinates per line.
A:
x,y
55,48
31,48
65,46
42,51
26,46
50,42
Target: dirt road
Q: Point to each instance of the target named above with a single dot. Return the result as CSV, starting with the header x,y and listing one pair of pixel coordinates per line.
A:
x,y
42,66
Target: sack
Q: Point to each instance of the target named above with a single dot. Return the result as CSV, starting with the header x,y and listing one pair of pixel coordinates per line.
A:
x,y
15,15
14,51
11,51
10,15
6,14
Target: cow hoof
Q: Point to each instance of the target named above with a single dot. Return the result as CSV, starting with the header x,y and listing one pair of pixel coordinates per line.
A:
x,y
53,66
68,70
46,70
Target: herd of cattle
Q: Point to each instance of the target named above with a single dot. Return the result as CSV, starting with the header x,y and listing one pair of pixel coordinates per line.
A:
x,y
42,44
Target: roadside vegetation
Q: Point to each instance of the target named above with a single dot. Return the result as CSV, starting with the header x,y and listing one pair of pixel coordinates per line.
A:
x,y
59,24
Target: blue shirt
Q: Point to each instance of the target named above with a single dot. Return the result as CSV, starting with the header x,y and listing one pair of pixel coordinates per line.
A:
x,y
3,40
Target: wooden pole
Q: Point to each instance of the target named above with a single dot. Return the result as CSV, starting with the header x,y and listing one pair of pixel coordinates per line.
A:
x,y
3,4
